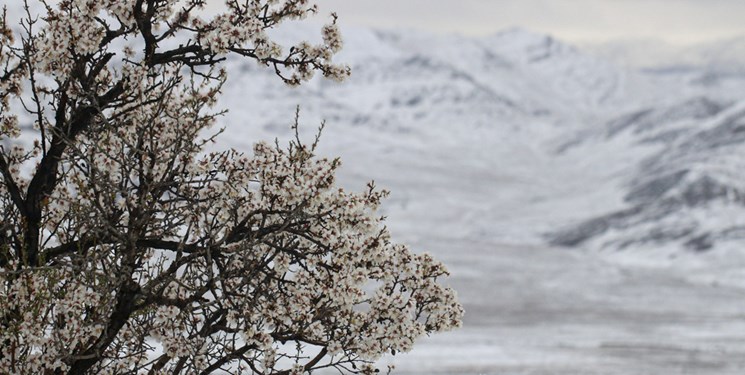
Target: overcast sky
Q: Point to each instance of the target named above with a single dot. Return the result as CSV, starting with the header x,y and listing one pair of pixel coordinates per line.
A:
x,y
676,21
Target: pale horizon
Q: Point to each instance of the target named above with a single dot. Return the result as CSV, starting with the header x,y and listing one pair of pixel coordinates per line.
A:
x,y
677,22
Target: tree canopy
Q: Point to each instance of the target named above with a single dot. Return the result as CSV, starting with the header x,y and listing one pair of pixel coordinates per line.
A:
x,y
127,247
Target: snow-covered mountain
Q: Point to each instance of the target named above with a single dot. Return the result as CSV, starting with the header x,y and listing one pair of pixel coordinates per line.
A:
x,y
520,137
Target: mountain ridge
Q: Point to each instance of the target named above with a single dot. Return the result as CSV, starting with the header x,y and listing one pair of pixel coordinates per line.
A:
x,y
541,146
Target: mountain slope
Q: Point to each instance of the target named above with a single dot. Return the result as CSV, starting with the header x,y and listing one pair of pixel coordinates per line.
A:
x,y
516,136
689,193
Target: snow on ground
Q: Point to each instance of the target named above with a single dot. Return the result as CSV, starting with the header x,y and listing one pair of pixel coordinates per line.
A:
x,y
537,310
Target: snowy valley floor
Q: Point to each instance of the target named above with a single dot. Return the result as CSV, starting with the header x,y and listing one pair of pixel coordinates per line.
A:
x,y
534,311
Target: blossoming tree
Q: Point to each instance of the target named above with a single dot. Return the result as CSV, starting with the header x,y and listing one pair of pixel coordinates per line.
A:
x,y
126,247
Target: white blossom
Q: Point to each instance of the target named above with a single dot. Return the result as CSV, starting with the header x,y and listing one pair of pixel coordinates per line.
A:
x,y
124,241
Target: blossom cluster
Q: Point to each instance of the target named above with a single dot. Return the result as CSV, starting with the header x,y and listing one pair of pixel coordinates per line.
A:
x,y
87,27
47,314
128,248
